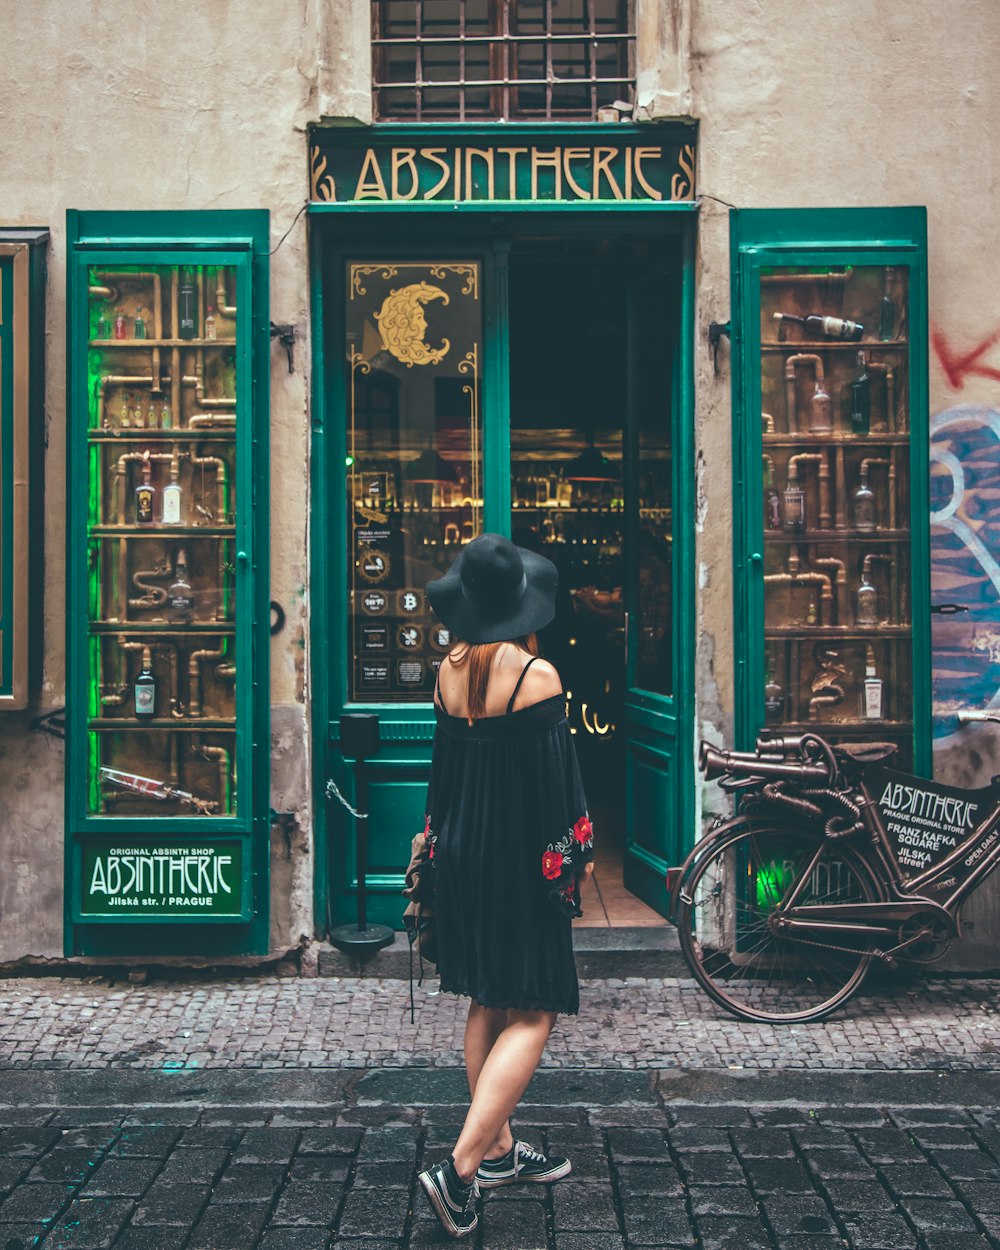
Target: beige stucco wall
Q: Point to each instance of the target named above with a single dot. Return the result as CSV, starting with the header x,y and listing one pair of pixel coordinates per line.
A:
x,y
142,105
132,104
855,103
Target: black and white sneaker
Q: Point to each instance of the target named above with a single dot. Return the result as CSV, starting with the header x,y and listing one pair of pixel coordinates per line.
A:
x,y
454,1203
520,1164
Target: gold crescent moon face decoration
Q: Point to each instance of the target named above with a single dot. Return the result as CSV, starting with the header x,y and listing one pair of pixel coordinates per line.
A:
x,y
402,324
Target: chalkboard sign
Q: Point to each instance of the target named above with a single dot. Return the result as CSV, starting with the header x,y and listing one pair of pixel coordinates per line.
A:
x,y
924,820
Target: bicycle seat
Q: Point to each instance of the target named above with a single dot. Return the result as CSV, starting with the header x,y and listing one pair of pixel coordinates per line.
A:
x,y
864,752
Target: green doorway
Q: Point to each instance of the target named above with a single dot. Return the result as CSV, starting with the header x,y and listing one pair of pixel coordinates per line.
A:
x,y
573,433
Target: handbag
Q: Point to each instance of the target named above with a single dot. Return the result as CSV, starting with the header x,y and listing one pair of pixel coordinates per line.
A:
x,y
418,915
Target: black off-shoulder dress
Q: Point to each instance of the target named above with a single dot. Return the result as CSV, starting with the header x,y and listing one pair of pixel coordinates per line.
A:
x,y
508,832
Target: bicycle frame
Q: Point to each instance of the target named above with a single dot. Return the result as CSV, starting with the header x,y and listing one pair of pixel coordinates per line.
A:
x,y
960,872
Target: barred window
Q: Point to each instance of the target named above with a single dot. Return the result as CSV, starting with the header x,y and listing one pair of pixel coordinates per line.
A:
x,y
524,60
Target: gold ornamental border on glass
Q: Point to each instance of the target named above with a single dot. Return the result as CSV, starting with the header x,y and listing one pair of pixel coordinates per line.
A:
x,y
437,269
15,657
469,366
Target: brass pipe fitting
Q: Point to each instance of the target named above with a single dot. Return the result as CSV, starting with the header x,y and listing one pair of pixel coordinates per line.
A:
x,y
840,582
878,366
220,477
227,310
819,459
221,755
154,596
195,677
791,365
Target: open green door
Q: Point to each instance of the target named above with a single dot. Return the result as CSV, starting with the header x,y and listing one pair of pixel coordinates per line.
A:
x,y
658,662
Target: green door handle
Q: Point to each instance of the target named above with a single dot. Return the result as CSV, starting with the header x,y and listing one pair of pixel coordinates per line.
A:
x,y
241,556
756,558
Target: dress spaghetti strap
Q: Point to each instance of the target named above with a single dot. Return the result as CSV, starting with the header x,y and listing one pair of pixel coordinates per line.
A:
x,y
438,695
510,701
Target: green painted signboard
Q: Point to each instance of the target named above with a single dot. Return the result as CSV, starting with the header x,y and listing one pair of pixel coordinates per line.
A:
x,y
120,877
609,164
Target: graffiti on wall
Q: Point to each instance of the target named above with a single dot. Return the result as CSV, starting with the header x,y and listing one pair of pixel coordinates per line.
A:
x,y
965,540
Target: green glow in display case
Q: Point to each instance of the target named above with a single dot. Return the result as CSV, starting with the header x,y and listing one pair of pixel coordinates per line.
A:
x,y
167,779
832,487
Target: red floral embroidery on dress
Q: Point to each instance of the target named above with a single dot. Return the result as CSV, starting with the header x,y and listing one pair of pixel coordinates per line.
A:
x,y
552,862
558,858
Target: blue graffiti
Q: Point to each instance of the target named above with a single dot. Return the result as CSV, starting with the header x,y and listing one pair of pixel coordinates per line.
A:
x,y
965,569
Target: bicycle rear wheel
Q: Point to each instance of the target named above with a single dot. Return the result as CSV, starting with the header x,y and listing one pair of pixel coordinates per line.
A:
x,y
749,968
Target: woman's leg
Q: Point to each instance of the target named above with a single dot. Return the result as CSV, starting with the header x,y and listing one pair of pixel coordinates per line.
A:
x,y
482,1028
503,1078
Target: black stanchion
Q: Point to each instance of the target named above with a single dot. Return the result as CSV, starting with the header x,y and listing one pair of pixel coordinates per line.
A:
x,y
359,740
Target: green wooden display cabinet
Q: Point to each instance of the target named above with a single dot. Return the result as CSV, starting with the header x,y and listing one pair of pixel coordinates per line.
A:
x,y
167,790
830,448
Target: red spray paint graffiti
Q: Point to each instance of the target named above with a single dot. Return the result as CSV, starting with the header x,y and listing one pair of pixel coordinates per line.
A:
x,y
959,365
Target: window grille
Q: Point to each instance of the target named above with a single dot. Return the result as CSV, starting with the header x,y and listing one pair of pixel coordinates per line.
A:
x,y
523,60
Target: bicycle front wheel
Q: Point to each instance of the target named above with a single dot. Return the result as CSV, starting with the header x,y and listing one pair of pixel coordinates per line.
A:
x,y
740,959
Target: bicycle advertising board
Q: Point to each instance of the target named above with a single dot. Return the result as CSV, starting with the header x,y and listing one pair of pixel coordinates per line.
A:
x,y
924,820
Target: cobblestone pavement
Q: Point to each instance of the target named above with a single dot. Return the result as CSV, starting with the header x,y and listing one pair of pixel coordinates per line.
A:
x,y
641,1023
746,1166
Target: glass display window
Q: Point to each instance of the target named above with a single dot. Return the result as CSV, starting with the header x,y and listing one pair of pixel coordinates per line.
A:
x,y
414,464
164,665
836,530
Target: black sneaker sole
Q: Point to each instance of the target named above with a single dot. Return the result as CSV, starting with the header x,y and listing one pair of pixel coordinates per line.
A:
x,y
547,1178
441,1210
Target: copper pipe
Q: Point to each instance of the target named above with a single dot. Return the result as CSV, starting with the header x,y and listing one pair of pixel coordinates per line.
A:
x,y
791,364
195,679
807,579
835,696
175,391
818,279
225,672
157,312
198,382
212,420
866,466
768,422
890,391
220,478
222,756
227,310
106,293
840,580
817,458
155,595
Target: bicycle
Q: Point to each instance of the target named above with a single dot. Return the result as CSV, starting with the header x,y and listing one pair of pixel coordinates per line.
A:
x,y
832,863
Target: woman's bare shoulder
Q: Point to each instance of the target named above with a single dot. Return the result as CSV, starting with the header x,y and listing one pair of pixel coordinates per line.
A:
x,y
541,681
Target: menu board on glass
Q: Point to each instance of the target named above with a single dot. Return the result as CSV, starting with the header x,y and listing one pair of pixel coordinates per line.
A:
x,y
414,461
834,379
163,668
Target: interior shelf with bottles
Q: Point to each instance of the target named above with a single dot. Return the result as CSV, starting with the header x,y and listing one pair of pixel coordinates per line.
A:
x,y
835,412
165,654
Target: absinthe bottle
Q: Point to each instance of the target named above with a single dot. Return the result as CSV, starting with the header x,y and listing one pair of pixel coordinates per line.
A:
x,y
187,311
817,326
861,398
144,690
774,699
180,596
145,495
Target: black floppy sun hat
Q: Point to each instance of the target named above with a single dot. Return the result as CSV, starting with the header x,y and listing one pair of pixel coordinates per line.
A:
x,y
495,591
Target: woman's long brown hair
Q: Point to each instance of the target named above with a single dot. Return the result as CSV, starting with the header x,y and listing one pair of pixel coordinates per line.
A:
x,y
480,659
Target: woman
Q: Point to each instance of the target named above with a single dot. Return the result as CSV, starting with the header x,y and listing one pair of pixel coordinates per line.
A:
x,y
510,840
